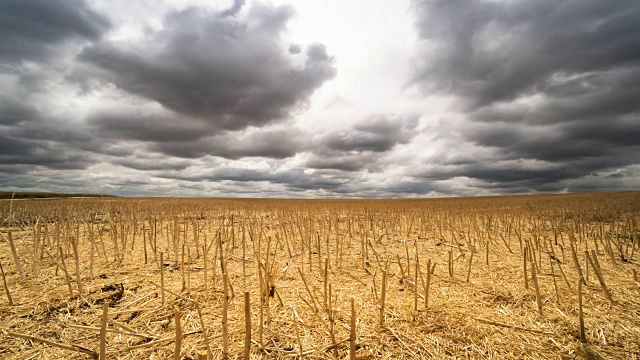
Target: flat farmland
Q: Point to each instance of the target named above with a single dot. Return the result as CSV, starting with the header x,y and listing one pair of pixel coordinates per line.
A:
x,y
490,277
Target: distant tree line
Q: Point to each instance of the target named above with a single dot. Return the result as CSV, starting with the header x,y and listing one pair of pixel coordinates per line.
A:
x,y
43,195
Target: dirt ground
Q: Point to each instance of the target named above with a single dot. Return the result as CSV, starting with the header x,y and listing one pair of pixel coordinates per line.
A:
x,y
302,262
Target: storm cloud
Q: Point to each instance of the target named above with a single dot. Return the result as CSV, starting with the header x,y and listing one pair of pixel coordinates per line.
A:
x,y
224,72
544,82
31,30
360,146
320,99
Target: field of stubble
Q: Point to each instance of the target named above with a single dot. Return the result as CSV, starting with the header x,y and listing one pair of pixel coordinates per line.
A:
x,y
497,278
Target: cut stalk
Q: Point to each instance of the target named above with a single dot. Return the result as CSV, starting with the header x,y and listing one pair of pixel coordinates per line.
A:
x,y
247,325
204,329
586,266
583,337
66,273
593,260
473,250
177,316
93,246
225,324
577,264
415,285
206,281
6,286
426,287
524,264
382,297
162,276
103,331
74,244
352,338
144,240
71,347
331,319
16,258
534,279
184,282
553,276
295,320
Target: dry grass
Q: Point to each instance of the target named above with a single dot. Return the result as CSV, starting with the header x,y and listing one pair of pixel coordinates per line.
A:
x,y
276,250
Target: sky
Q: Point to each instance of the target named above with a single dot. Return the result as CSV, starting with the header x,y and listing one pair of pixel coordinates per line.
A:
x,y
362,98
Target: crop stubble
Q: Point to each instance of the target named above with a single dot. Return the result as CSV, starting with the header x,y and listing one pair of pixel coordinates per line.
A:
x,y
431,278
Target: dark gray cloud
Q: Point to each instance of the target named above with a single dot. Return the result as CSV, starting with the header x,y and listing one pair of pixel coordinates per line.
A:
x,y
295,49
146,163
378,133
234,9
359,146
31,137
269,143
31,29
14,111
206,85
227,72
35,38
150,127
491,51
294,180
17,151
348,162
549,82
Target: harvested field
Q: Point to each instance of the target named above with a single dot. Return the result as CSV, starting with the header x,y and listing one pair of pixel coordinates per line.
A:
x,y
490,277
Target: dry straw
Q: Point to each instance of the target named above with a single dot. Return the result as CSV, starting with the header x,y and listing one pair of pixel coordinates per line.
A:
x,y
308,264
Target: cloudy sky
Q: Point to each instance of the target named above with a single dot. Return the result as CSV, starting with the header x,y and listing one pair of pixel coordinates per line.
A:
x,y
319,98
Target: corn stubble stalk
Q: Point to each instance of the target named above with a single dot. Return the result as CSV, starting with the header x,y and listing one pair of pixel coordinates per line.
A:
x,y
586,266
593,260
182,273
524,264
178,342
92,243
451,264
103,331
415,285
574,256
162,277
352,337
430,269
383,292
555,285
66,273
247,326
534,279
203,328
297,327
225,322
6,286
473,249
331,315
583,336
71,347
74,244
16,258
